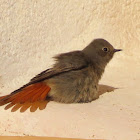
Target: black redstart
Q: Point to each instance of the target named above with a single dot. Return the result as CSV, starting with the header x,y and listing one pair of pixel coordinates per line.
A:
x,y
73,78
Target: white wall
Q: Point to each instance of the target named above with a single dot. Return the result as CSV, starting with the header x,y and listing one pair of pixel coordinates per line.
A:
x,y
33,31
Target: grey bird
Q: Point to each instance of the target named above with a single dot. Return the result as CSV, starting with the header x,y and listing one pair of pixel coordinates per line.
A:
x,y
74,77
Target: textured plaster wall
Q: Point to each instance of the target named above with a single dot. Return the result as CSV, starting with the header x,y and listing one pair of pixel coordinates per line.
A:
x,y
31,32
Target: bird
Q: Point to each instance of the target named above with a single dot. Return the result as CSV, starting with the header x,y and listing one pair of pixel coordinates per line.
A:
x,y
73,78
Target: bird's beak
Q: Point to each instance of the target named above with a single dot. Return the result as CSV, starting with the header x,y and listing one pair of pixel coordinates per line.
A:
x,y
117,50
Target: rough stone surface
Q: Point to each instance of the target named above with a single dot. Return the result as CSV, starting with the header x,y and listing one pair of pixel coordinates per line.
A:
x,y
31,32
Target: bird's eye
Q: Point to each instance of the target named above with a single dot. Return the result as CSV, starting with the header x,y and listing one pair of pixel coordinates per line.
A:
x,y
105,49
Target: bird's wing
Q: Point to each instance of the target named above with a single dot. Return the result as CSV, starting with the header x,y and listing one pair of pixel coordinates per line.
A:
x,y
36,89
64,62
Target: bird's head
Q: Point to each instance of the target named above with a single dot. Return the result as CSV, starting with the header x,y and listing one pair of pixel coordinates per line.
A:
x,y
100,51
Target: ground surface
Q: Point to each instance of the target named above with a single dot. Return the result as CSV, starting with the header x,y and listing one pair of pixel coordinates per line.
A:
x,y
115,115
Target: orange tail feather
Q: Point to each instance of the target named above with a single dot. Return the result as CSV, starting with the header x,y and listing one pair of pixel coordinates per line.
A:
x,y
31,93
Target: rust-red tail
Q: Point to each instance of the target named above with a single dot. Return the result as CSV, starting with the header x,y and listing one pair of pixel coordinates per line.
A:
x,y
31,93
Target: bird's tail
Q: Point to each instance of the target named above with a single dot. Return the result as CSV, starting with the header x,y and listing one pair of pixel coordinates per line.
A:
x,y
30,93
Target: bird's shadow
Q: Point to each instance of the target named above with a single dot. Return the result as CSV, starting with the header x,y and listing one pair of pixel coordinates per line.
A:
x,y
23,107
42,105
105,88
